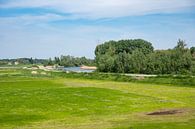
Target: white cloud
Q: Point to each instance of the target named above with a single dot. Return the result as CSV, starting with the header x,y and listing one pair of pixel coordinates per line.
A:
x,y
29,19
105,8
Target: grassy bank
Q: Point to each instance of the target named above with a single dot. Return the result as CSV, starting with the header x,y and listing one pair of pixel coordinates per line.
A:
x,y
179,80
91,101
175,80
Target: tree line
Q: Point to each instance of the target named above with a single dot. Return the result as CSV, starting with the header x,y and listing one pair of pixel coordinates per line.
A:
x,y
70,61
139,56
67,61
22,61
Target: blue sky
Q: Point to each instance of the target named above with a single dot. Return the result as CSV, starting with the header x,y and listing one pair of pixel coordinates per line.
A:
x,y
48,28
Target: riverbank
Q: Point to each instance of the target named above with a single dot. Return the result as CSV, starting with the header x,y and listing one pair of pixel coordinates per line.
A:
x,y
88,67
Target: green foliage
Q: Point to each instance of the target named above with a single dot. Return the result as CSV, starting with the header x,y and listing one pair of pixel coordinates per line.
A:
x,y
192,50
120,62
137,56
31,61
63,61
137,62
122,56
56,60
169,61
50,62
181,45
22,61
3,63
106,63
124,45
69,61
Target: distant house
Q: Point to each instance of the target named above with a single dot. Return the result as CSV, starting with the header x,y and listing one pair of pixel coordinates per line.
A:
x,y
9,63
16,63
41,66
49,67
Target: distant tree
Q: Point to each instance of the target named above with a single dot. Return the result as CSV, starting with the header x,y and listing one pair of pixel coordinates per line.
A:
x,y
70,61
57,60
192,51
181,45
50,62
31,60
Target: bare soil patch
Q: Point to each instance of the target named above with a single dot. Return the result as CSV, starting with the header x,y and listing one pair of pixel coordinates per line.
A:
x,y
165,112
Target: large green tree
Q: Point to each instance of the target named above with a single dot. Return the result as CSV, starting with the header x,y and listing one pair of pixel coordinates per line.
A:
x,y
124,45
115,56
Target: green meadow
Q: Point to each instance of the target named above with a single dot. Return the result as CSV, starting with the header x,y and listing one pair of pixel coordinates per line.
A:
x,y
62,102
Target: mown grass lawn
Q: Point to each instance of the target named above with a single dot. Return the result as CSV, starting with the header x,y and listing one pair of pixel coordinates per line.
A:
x,y
57,103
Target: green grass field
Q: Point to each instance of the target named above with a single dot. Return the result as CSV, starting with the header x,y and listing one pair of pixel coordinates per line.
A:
x,y
31,102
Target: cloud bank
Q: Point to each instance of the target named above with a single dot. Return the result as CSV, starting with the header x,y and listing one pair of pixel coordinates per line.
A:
x,y
103,8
